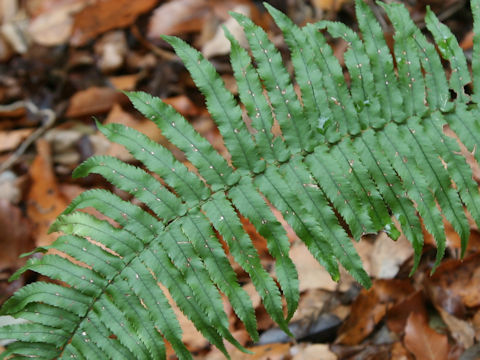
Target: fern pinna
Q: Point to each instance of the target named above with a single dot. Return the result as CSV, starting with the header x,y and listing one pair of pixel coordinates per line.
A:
x,y
365,150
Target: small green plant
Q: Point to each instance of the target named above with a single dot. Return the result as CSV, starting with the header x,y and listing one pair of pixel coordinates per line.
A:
x,y
366,150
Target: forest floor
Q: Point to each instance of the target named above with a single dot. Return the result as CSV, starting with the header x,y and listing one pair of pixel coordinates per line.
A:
x,y
63,63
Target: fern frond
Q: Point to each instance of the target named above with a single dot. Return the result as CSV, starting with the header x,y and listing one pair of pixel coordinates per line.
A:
x,y
351,156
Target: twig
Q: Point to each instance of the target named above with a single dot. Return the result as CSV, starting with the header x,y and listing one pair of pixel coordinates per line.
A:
x,y
49,118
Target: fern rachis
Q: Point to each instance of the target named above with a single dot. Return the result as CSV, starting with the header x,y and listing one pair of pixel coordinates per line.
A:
x,y
342,150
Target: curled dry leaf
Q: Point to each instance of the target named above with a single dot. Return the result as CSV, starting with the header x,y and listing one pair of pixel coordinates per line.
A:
x,y
423,341
106,15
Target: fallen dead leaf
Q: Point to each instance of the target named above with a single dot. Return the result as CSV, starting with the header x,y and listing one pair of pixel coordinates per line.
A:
x,y
476,325
467,41
178,17
192,338
15,236
313,352
106,15
44,202
53,26
311,304
423,341
389,255
253,294
457,279
370,307
311,274
10,140
111,50
459,329
398,352
398,314
364,249
120,116
219,44
469,155
366,312
125,82
93,101
6,51
183,105
10,187
328,5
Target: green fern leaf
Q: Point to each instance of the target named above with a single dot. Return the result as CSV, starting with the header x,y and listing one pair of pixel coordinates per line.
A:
x,y
350,157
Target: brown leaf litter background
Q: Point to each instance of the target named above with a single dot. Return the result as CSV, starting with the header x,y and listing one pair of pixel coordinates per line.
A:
x,y
64,62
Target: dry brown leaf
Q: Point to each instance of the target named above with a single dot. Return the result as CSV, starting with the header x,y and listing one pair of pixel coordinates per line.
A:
x,y
311,304
120,116
476,325
398,314
456,280
125,82
44,202
106,15
311,274
398,352
93,101
53,26
370,307
467,41
10,140
467,154
313,352
423,341
328,5
192,338
364,249
264,352
178,17
6,51
183,105
253,294
15,236
389,255
219,44
365,314
111,50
